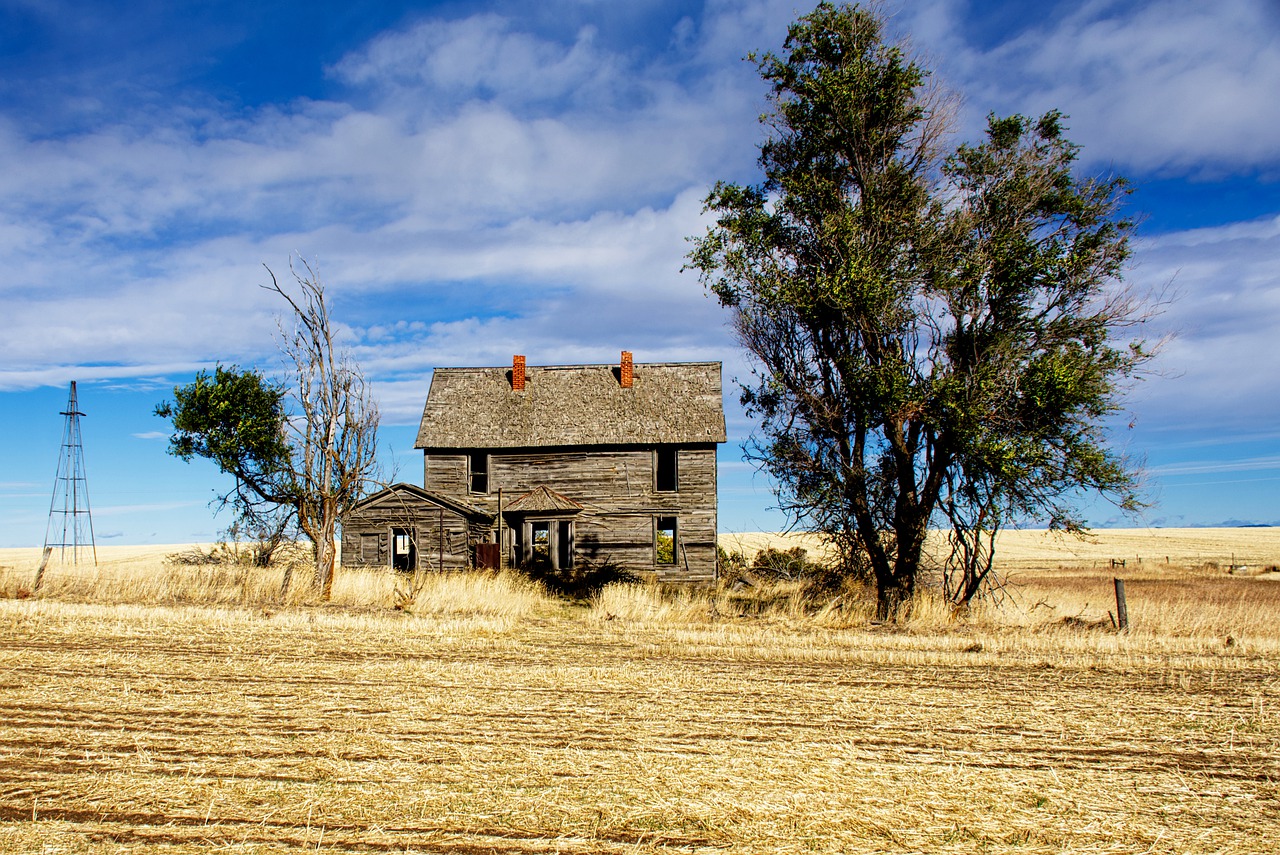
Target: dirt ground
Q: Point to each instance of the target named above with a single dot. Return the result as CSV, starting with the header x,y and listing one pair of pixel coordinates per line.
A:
x,y
152,729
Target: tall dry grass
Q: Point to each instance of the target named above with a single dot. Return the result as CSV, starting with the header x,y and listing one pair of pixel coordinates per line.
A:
x,y
1200,604
506,594
166,578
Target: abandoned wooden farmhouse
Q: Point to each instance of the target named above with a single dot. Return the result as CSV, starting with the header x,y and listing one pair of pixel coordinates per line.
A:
x,y
558,465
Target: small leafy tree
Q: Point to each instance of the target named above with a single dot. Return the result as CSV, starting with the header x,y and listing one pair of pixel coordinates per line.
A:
x,y
935,335
236,419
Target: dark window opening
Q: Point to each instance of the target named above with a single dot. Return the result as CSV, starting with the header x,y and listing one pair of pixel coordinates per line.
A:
x,y
665,475
404,553
478,470
664,540
565,545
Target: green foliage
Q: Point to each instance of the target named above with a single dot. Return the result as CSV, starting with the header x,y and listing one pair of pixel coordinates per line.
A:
x,y
665,548
729,564
935,334
236,419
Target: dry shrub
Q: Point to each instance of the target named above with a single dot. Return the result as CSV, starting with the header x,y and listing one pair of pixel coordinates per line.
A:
x,y
15,585
581,581
930,611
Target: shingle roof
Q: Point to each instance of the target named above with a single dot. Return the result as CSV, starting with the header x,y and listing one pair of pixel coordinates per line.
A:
x,y
669,402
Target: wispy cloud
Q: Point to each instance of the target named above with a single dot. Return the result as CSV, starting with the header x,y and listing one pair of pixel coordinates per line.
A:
x,y
1226,309
1205,467
122,510
536,172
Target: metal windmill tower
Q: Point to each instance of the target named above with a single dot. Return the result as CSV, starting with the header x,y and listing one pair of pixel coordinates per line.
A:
x,y
70,522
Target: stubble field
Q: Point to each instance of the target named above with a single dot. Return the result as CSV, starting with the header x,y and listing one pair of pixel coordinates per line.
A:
x,y
487,718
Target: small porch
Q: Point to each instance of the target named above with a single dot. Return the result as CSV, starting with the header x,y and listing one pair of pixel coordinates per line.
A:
x,y
542,527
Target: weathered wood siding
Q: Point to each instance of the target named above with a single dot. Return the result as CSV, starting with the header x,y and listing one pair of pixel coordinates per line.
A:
x,y
446,473
616,487
444,539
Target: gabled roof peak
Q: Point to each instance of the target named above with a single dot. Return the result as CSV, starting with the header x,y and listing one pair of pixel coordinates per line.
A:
x,y
542,498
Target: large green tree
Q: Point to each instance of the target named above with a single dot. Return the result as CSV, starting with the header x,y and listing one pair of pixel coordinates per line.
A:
x,y
935,334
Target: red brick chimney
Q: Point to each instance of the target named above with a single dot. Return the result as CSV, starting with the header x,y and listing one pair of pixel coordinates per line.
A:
x,y
517,373
626,373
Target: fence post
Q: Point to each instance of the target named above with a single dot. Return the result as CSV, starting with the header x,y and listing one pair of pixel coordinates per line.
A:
x,y
44,562
1122,609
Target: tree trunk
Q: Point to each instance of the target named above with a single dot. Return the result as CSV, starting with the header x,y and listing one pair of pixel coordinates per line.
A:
x,y
325,554
893,596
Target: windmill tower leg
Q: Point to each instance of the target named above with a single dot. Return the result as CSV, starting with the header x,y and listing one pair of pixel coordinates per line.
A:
x,y
70,519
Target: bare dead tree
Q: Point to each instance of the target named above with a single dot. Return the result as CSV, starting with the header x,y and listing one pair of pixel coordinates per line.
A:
x,y
334,429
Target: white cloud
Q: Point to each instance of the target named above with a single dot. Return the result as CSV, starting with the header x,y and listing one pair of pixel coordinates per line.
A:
x,y
143,240
1166,85
1223,362
482,56
123,510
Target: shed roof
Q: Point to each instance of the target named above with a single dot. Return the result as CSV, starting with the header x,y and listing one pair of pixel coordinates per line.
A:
x,y
411,494
566,405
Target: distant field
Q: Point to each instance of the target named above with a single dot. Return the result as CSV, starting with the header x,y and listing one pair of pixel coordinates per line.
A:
x,y
1037,549
483,717
1258,547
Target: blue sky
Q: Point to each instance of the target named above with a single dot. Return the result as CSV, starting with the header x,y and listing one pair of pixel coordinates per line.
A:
x,y
477,179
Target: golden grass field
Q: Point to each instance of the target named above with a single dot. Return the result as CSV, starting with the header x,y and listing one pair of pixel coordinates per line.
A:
x,y
152,708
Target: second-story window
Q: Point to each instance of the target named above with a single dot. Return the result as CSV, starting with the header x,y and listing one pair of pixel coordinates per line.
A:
x,y
666,478
478,471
